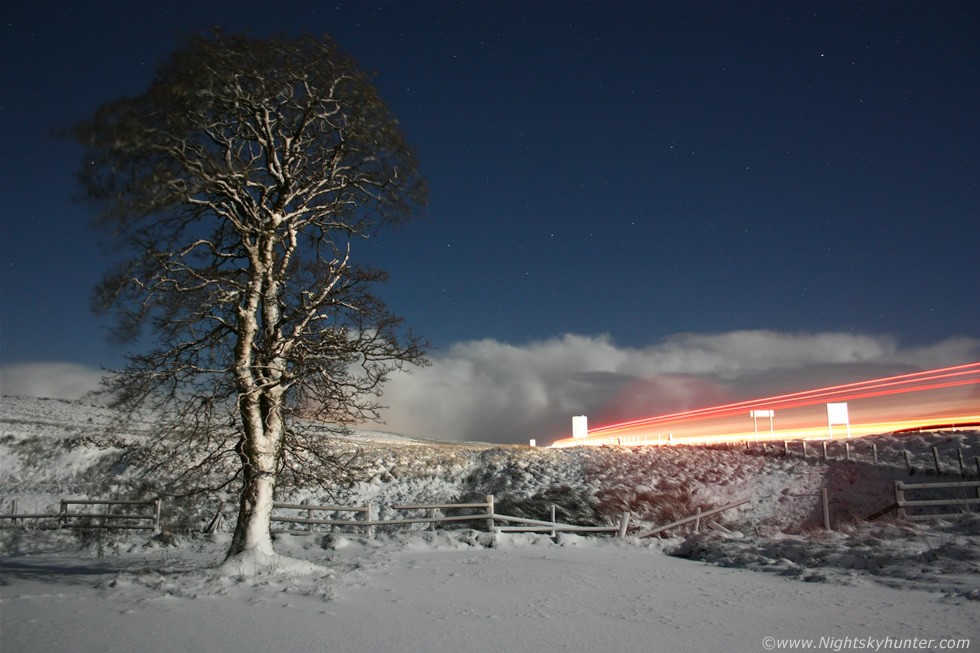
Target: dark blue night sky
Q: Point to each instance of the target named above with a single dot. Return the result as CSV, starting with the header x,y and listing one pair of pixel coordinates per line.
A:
x,y
630,169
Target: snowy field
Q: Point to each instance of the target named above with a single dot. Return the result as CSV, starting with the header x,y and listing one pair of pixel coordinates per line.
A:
x,y
768,570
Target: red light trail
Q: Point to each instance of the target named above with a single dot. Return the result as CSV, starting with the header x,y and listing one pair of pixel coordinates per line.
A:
x,y
941,397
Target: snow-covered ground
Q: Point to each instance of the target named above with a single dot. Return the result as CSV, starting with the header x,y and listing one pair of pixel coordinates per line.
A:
x,y
878,583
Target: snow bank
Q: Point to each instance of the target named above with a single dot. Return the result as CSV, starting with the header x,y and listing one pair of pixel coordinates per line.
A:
x,y
462,591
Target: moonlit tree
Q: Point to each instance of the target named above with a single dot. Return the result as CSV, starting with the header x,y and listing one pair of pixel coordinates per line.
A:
x,y
238,187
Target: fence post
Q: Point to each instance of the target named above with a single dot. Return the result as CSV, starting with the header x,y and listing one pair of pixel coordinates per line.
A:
x,y
908,462
847,451
825,500
490,512
959,456
13,511
824,457
804,449
874,454
157,510
624,521
785,450
900,498
369,517
63,514
553,511
935,457
697,516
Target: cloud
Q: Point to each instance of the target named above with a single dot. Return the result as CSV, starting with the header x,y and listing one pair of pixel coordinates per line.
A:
x,y
51,380
492,391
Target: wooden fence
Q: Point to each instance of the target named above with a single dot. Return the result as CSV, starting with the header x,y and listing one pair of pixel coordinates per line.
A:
x,y
110,519
434,516
540,526
311,521
66,518
515,524
368,523
23,517
963,503
851,451
696,518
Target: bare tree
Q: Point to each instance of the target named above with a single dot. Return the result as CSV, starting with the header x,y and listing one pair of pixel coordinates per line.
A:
x,y
237,186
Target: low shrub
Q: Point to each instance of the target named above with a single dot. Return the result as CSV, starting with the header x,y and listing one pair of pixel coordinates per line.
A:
x,y
572,506
663,504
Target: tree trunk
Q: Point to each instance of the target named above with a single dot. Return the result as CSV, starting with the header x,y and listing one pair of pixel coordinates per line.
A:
x,y
252,531
258,452
260,404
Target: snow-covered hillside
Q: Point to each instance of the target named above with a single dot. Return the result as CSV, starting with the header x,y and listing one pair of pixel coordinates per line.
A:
x,y
465,590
